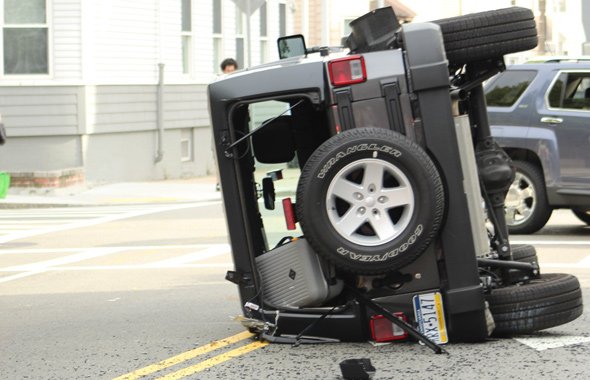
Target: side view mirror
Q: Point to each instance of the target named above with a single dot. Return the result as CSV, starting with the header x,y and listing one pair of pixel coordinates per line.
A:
x,y
291,46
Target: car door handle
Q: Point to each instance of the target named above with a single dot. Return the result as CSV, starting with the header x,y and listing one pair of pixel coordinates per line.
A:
x,y
551,120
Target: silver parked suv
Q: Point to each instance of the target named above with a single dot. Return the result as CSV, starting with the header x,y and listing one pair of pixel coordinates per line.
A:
x,y
540,114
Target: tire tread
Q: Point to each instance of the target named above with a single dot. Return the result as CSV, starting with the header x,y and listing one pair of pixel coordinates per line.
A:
x,y
485,35
551,300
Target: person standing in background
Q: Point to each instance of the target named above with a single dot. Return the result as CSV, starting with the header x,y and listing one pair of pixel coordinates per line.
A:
x,y
229,65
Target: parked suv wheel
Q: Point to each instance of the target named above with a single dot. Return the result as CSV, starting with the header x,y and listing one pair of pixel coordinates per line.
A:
x,y
527,210
370,200
485,35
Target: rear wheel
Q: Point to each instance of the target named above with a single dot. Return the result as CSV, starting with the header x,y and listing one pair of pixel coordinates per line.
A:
x,y
549,301
582,214
524,253
485,35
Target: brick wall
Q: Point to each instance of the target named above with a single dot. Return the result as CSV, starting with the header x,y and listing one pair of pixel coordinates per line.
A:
x,y
48,179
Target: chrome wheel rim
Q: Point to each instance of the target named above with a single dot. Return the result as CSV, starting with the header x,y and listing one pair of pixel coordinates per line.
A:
x,y
370,202
521,200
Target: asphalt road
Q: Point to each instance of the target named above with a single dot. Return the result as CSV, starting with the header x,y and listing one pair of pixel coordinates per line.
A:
x,y
139,292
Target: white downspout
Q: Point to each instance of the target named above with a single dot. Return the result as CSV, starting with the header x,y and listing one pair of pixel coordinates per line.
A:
x,y
160,114
160,89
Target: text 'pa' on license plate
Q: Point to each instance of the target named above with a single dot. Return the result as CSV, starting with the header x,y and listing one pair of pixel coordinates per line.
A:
x,y
430,316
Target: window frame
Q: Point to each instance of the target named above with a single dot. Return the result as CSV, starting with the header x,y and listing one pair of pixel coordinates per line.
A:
x,y
48,25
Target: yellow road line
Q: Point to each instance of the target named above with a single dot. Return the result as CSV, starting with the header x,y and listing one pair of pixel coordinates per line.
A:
x,y
185,356
213,361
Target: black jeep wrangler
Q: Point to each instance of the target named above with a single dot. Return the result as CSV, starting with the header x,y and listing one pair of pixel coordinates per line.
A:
x,y
382,156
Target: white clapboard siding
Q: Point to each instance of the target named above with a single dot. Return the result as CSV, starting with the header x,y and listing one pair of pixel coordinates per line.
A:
x,y
124,37
170,43
185,106
203,40
66,40
122,109
40,110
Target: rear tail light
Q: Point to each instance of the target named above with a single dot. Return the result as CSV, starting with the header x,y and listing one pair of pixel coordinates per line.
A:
x,y
383,330
289,212
347,70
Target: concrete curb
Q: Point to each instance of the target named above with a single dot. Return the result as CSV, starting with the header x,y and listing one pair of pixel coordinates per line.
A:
x,y
117,194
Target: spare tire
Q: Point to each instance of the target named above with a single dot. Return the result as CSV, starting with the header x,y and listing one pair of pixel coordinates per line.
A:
x,y
485,35
551,300
370,200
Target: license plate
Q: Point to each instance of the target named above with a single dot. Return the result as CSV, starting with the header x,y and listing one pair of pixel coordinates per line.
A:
x,y
430,316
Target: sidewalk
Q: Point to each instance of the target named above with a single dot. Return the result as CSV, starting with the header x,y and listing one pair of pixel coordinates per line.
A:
x,y
167,191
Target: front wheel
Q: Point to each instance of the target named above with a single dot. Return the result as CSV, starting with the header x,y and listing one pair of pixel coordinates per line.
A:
x,y
527,209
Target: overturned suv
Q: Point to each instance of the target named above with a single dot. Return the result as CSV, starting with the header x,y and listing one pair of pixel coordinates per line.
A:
x,y
382,156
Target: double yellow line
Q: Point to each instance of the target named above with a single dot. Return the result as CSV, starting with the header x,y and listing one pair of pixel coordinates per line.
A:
x,y
166,363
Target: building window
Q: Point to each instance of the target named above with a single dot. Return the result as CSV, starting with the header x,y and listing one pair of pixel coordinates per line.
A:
x,y
186,35
217,37
346,29
186,145
240,38
263,28
217,53
282,20
263,51
26,37
216,16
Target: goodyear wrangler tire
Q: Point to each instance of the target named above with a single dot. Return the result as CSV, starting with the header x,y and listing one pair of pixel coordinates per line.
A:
x,y
485,35
370,200
549,301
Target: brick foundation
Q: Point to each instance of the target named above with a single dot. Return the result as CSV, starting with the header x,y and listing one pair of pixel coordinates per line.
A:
x,y
48,179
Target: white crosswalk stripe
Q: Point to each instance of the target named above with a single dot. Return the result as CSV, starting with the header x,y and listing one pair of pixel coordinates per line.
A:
x,y
75,259
22,223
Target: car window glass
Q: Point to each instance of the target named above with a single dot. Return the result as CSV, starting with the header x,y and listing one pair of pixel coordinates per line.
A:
x,y
508,87
570,91
262,111
555,94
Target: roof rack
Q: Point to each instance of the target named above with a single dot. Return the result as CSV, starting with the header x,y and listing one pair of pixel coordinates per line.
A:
x,y
558,59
